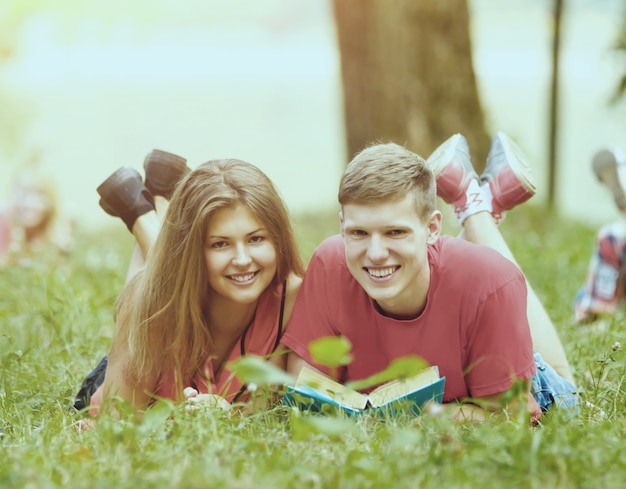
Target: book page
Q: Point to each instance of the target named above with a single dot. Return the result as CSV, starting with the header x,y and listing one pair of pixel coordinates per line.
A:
x,y
398,388
330,388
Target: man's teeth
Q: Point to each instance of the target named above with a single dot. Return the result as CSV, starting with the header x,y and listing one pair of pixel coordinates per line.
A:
x,y
242,278
381,272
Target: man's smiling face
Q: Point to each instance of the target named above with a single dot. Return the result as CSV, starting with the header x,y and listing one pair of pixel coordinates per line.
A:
x,y
386,252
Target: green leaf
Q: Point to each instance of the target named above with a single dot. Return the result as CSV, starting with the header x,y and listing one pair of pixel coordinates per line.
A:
x,y
331,351
400,368
252,369
304,427
157,414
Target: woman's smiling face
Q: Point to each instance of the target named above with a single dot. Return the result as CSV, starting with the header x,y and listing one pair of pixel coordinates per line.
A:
x,y
239,254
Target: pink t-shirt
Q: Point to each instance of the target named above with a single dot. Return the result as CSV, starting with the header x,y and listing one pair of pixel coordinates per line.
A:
x,y
5,233
261,338
474,326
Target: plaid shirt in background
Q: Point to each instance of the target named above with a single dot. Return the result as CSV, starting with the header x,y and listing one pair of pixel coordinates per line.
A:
x,y
603,291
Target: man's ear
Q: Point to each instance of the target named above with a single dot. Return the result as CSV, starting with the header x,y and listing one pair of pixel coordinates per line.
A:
x,y
341,223
434,227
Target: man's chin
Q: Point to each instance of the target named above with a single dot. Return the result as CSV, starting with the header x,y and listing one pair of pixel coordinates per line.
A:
x,y
380,294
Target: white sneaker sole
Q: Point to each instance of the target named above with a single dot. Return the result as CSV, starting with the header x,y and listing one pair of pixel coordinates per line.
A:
x,y
517,160
444,154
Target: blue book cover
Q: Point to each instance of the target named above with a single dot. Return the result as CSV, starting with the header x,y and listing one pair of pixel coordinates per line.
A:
x,y
316,392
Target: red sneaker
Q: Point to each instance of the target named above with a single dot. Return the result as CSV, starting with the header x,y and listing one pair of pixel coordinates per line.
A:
x,y
453,170
605,166
508,175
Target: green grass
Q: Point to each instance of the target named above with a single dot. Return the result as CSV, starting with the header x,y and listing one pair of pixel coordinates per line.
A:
x,y
56,322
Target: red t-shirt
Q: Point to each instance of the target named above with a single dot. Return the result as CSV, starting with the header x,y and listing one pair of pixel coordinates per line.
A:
x,y
474,326
261,338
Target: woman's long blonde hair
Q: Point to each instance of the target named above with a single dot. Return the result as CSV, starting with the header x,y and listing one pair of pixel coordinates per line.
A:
x,y
163,308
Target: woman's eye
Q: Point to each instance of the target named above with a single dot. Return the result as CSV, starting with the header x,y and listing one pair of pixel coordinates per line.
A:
x,y
219,244
256,239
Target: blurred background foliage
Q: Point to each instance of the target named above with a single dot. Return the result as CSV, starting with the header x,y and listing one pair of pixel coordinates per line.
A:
x,y
298,87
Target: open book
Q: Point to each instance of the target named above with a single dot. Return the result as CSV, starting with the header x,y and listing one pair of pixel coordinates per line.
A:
x,y
314,390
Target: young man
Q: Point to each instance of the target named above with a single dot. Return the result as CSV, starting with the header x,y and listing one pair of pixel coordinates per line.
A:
x,y
393,286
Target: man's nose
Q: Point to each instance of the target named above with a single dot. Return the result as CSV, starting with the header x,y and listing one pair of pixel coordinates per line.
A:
x,y
376,249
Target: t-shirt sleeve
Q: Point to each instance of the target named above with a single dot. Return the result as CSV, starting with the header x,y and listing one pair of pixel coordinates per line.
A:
x,y
499,345
312,312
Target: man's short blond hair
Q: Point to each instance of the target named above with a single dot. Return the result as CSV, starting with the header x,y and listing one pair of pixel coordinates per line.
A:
x,y
389,172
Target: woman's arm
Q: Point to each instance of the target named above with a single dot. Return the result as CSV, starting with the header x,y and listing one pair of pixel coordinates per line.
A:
x,y
119,385
120,382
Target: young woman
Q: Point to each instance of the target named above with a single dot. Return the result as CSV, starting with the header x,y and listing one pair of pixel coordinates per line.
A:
x,y
219,281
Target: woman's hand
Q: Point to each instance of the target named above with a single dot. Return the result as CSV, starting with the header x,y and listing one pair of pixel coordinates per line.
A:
x,y
194,400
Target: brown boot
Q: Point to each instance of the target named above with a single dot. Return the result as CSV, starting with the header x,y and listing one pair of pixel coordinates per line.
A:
x,y
124,195
163,172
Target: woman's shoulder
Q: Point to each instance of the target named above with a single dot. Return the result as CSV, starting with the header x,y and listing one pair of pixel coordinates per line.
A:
x,y
292,288
291,292
293,283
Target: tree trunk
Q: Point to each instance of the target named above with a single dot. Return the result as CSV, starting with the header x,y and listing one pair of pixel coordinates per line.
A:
x,y
407,74
554,102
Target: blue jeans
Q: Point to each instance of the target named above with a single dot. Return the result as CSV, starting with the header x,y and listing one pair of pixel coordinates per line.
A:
x,y
552,390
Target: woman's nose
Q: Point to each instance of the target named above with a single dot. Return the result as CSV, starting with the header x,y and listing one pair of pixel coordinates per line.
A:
x,y
242,256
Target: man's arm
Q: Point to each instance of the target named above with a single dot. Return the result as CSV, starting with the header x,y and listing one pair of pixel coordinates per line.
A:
x,y
316,307
479,409
295,363
474,411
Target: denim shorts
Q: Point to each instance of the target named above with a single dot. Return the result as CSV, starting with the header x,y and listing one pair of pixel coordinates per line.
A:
x,y
552,390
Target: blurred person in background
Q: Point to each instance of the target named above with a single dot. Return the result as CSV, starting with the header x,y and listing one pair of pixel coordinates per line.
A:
x,y
604,290
29,221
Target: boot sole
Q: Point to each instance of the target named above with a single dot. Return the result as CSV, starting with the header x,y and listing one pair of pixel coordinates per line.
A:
x,y
119,178
516,160
163,171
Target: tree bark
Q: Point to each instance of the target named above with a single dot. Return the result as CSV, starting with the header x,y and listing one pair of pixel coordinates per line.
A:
x,y
554,103
407,74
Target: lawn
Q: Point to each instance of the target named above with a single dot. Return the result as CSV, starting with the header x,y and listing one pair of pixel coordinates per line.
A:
x,y
56,322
